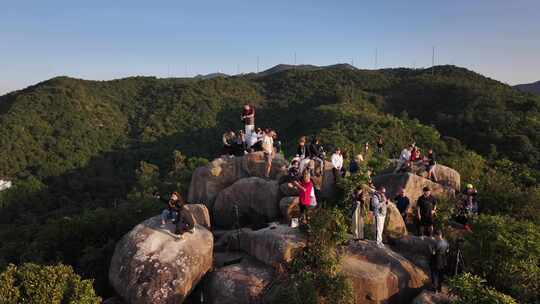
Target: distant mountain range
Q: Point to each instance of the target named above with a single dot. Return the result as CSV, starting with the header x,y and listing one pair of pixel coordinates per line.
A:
x,y
285,67
529,87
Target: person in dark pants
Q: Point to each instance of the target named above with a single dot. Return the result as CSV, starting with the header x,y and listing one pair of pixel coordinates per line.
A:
x,y
439,253
402,203
426,207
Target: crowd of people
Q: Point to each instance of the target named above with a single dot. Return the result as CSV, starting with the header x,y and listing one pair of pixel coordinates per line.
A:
x,y
307,167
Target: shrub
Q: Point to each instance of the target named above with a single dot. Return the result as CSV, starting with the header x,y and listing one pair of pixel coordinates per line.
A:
x,y
506,252
32,283
314,275
470,289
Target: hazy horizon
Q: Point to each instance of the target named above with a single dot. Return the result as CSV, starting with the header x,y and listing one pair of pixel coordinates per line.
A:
x,y
103,41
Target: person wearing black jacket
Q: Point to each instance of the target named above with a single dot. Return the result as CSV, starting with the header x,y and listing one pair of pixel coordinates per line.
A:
x,y
316,151
426,207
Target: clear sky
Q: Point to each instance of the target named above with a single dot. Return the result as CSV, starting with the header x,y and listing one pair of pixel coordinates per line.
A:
x,y
112,39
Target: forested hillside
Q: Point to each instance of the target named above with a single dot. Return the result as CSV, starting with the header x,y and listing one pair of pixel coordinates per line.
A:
x,y
86,156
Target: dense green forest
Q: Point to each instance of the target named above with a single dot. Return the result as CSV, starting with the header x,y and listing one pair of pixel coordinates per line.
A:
x,y
86,156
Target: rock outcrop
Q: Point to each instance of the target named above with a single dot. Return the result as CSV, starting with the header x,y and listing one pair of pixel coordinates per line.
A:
x,y
415,248
412,185
289,207
256,198
207,181
200,214
446,176
395,227
152,265
241,283
429,297
276,244
380,275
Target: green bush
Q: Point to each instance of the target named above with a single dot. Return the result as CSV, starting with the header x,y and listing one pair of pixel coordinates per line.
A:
x,y
32,283
314,276
506,252
470,289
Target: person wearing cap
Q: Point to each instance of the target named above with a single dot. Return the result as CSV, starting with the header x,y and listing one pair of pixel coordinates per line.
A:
x,y
379,206
426,207
402,203
471,202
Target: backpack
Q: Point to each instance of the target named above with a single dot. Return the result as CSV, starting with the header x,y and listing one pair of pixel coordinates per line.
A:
x,y
371,208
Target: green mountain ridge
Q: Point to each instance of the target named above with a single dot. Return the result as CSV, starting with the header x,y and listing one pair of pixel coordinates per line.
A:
x,y
86,156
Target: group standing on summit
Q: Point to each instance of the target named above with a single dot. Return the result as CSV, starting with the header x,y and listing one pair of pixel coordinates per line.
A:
x,y
368,202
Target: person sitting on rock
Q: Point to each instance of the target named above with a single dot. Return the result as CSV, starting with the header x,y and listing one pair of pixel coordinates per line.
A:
x,y
425,212
402,203
174,205
379,204
439,257
294,171
404,158
301,149
229,140
268,149
307,196
316,151
358,211
185,222
430,165
240,144
337,164
248,117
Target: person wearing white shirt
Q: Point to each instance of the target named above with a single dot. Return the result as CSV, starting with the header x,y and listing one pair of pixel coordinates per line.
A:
x,y
404,157
337,163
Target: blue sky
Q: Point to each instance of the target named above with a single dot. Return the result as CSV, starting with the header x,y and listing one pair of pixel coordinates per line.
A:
x,y
114,39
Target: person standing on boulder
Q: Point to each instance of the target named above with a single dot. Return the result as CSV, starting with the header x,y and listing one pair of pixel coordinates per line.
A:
x,y
430,165
305,186
379,206
316,151
248,117
439,253
380,145
337,164
268,149
426,207
402,203
358,207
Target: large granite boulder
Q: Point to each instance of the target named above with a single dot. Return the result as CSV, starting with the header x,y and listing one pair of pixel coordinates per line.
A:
x,y
241,283
395,227
152,265
430,297
207,181
288,189
257,200
380,275
415,249
446,176
412,185
290,208
200,214
276,244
